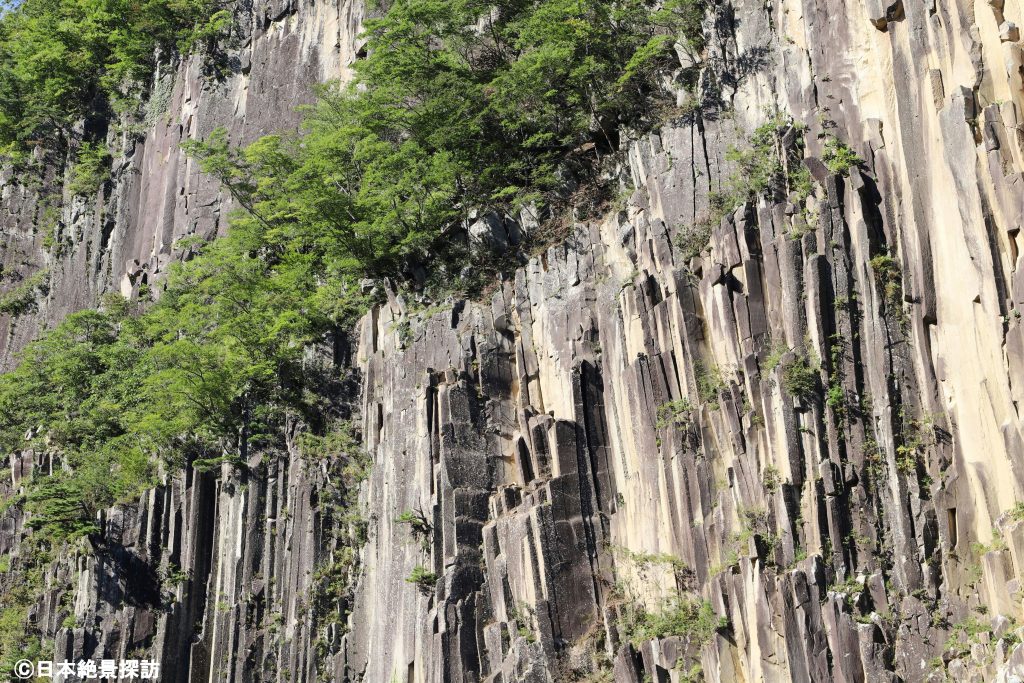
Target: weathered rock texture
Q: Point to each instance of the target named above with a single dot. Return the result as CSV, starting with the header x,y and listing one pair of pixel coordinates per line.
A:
x,y
843,535
125,236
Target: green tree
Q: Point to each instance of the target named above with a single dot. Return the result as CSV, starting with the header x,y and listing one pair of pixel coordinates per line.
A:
x,y
62,61
443,120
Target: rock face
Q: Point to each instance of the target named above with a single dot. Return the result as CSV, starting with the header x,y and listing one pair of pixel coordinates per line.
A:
x,y
124,236
620,424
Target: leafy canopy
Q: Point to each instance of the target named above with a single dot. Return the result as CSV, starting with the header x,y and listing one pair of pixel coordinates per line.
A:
x,y
62,61
459,106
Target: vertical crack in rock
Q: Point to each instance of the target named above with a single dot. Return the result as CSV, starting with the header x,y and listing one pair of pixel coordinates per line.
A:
x,y
802,435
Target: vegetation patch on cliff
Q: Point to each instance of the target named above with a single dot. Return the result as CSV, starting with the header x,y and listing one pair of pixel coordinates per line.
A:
x,y
65,61
455,113
770,165
444,122
458,112
693,620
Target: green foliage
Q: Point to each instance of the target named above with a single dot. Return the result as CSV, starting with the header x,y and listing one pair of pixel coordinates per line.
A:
x,y
755,520
771,478
522,615
444,119
694,239
709,384
766,168
971,629
644,560
763,168
66,505
997,543
835,397
416,521
424,579
799,181
332,590
175,576
800,379
63,60
838,156
205,374
1017,512
774,357
835,394
20,638
693,674
90,170
48,221
13,637
889,277
851,585
340,440
916,435
678,616
674,413
22,297
757,525
974,634
760,167
850,589
730,561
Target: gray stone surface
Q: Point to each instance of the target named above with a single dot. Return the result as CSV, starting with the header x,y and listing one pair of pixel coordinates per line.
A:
x,y
525,426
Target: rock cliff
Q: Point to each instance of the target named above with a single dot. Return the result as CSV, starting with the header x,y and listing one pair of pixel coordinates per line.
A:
x,y
812,424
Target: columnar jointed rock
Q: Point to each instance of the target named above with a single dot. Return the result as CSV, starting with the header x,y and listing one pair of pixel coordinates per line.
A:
x,y
811,425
